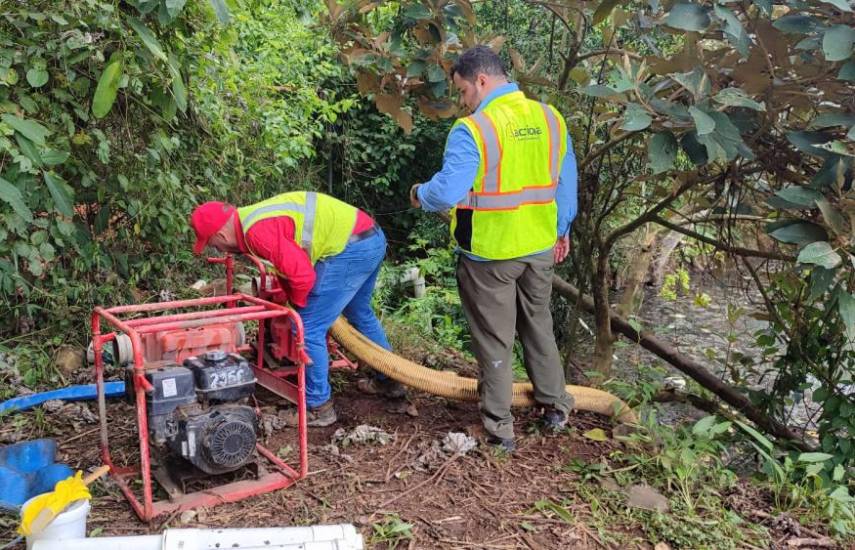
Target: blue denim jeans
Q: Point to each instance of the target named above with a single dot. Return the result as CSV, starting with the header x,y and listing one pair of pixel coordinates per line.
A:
x,y
343,285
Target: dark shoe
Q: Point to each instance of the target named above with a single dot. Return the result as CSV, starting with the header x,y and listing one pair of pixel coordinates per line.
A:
x,y
554,419
503,444
388,388
317,417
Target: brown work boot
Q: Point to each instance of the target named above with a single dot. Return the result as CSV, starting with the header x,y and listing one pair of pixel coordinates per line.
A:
x,y
392,391
388,388
317,417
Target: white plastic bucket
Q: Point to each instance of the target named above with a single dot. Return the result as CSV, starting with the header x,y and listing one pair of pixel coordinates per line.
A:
x,y
70,524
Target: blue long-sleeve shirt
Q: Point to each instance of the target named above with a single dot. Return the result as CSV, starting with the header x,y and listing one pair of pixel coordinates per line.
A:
x,y
460,163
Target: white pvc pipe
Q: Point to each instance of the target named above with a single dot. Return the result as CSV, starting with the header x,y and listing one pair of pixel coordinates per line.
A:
x,y
319,537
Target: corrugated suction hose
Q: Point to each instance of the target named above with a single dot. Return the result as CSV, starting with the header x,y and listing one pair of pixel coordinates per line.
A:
x,y
452,386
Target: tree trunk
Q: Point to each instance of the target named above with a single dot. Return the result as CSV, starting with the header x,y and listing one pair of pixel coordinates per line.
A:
x,y
660,263
604,340
689,366
630,300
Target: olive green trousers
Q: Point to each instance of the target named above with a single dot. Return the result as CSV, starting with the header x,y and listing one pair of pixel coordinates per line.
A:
x,y
501,298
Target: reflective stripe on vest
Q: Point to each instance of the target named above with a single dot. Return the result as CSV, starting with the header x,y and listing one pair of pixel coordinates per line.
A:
x,y
309,222
491,152
491,197
322,224
507,201
308,210
554,141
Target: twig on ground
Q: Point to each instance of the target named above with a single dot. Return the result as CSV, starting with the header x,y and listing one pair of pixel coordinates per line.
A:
x,y
437,475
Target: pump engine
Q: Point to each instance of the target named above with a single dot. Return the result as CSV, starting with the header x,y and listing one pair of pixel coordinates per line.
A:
x,y
199,411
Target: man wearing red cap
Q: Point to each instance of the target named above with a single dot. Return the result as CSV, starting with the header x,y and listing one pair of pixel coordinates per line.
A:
x,y
327,255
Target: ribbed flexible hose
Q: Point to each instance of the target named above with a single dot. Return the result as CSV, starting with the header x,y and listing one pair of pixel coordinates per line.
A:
x,y
452,386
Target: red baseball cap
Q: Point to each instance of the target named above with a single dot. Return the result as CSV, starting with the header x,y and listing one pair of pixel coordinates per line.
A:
x,y
207,219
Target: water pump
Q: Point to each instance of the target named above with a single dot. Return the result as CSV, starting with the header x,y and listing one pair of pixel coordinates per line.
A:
x,y
199,411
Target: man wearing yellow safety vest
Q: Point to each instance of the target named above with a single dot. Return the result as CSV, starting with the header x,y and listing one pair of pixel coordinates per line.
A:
x,y
326,254
509,179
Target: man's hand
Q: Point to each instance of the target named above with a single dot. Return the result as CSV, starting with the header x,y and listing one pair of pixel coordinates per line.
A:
x,y
414,198
562,248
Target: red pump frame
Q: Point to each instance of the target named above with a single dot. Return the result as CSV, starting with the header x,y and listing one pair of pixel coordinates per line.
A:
x,y
338,360
273,379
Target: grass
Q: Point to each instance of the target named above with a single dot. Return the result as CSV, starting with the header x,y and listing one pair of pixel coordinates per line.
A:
x,y
391,531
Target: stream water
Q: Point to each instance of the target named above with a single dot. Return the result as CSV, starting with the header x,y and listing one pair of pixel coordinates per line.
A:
x,y
720,335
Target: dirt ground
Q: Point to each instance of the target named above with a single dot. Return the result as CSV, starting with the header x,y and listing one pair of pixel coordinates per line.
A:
x,y
477,500
480,500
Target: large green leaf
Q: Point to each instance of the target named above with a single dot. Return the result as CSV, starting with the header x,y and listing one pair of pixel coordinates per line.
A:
x,y
847,72
148,38
842,5
435,73
846,307
694,149
61,198
10,194
598,90
174,7
688,17
820,253
704,124
807,142
696,81
635,118
826,120
814,457
179,91
30,150
801,196
604,10
795,23
725,142
662,151
222,11
832,216
108,87
796,232
30,129
765,5
837,42
417,11
734,97
37,77
820,281
734,30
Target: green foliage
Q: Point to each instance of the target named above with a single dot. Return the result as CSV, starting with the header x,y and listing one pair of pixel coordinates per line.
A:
x,y
438,316
674,282
392,531
130,114
809,483
686,465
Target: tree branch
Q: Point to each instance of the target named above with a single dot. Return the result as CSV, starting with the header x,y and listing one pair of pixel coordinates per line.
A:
x,y
603,149
737,250
608,51
691,181
698,372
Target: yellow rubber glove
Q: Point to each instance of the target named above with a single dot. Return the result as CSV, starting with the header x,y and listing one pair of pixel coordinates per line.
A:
x,y
64,493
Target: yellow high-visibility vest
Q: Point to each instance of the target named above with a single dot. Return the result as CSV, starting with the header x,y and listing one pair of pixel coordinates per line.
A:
x,y
322,224
510,211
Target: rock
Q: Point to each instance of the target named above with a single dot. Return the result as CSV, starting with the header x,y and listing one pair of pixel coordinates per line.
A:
x,y
362,434
335,451
68,360
53,406
646,498
187,516
661,546
609,484
458,443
